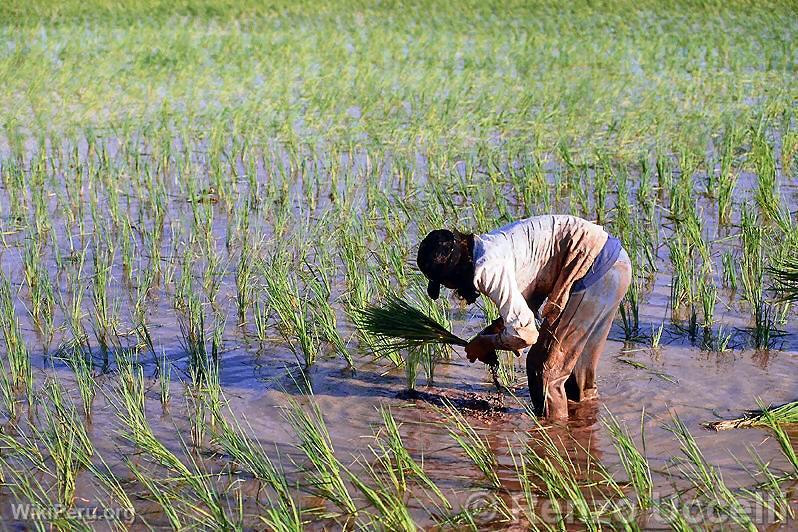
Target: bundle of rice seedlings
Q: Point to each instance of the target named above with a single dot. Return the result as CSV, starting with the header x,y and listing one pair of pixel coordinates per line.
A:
x,y
786,413
398,325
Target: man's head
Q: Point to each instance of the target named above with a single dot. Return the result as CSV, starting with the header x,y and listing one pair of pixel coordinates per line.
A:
x,y
445,258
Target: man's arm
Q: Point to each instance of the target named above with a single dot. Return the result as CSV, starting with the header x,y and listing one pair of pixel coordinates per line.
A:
x,y
497,281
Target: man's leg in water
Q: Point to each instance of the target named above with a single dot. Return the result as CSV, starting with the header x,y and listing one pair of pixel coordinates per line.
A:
x,y
576,344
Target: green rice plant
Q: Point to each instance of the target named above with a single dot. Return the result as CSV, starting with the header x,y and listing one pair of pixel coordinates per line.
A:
x,y
260,316
318,283
785,277
41,291
630,309
708,294
16,350
752,279
768,492
475,446
399,325
325,473
681,279
67,443
285,513
528,488
7,391
164,379
726,184
82,366
775,423
706,479
392,512
656,335
104,313
244,279
166,499
729,270
353,249
766,193
634,461
194,342
399,465
292,310
74,309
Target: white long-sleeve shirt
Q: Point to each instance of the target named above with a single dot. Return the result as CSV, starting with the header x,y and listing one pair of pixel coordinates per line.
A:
x,y
517,266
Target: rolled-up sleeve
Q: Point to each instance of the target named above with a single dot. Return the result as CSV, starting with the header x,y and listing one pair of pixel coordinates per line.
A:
x,y
496,279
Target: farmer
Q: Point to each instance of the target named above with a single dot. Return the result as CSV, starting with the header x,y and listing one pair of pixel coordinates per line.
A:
x,y
573,264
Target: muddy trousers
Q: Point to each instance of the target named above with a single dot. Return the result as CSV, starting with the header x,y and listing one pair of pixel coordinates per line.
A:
x,y
562,364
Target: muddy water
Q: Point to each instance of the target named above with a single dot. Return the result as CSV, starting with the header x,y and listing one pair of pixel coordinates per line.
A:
x,y
678,379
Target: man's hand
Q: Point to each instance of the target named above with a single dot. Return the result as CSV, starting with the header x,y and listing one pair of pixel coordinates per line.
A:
x,y
481,348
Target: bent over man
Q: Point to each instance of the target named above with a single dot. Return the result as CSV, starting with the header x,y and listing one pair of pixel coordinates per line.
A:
x,y
580,271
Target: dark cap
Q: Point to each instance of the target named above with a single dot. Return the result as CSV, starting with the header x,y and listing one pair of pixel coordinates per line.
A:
x,y
438,255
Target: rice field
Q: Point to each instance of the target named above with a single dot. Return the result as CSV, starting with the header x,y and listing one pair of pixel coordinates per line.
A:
x,y
199,201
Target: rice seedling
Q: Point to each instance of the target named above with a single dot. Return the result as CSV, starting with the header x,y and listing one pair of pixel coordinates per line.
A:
x,y
559,476
164,379
729,270
41,291
634,461
475,446
326,475
16,351
319,286
706,479
82,366
286,513
766,193
244,278
785,277
291,308
398,462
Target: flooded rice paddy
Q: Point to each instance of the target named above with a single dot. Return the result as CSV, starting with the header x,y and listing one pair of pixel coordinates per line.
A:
x,y
196,202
